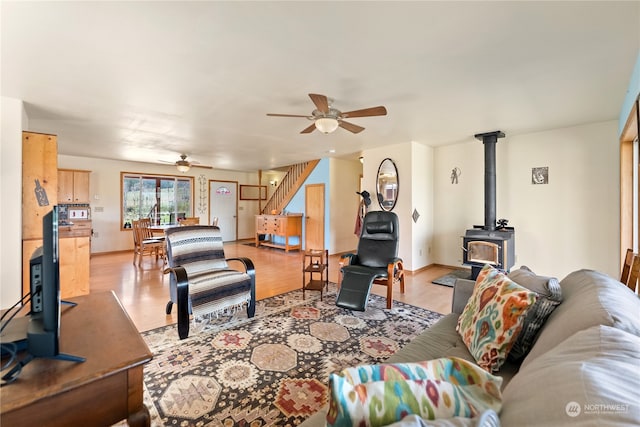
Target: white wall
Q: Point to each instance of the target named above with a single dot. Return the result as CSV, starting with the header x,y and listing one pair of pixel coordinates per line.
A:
x,y
105,194
13,120
405,156
568,224
421,187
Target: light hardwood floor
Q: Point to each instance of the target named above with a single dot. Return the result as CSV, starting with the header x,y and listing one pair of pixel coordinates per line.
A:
x,y
144,290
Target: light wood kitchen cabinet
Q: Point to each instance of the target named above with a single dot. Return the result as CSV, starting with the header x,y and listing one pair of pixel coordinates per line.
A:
x,y
284,226
75,253
73,186
39,181
39,195
39,191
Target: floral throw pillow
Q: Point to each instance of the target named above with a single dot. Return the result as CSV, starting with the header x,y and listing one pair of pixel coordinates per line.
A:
x,y
379,395
493,317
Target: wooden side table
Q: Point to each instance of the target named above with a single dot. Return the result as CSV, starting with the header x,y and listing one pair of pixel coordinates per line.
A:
x,y
315,270
103,390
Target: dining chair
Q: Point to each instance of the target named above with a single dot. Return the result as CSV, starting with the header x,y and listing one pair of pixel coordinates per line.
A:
x,y
144,243
634,273
190,221
626,266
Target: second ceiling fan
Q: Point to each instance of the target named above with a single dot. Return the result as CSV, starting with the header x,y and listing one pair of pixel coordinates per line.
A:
x,y
327,119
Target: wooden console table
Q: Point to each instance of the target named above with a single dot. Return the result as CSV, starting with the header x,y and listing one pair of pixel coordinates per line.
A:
x,y
101,391
284,226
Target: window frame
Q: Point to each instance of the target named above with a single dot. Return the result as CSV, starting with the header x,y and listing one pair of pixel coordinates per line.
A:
x,y
629,200
157,177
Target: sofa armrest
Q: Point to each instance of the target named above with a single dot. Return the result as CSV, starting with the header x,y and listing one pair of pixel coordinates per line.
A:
x,y
462,291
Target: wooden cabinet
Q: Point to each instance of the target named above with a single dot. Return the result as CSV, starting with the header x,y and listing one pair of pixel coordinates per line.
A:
x,y
271,227
39,195
39,191
75,253
39,181
73,186
80,228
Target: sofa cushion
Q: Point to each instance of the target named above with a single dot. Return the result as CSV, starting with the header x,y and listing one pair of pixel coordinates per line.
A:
x,y
590,379
442,340
590,298
488,418
493,317
549,297
381,394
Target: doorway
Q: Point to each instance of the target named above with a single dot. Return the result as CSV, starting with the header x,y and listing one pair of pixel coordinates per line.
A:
x,y
314,216
223,204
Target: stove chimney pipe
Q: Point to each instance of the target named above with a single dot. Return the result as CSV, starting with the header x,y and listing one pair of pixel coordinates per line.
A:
x,y
489,139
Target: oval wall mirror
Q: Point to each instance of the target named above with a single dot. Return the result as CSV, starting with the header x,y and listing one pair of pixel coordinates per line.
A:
x,y
387,185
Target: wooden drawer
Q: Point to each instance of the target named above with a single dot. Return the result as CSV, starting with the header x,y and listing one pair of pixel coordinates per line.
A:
x,y
78,229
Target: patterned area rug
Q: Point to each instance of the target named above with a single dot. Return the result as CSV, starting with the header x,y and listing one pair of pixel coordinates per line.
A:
x,y
271,370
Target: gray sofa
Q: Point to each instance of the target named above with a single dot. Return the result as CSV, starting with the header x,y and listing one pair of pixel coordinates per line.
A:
x,y
583,369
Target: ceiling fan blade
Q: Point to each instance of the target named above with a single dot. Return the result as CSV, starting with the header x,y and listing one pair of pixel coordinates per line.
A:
x,y
286,115
201,166
321,102
366,112
309,129
350,127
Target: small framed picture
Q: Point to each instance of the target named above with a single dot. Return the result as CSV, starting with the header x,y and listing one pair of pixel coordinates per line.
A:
x,y
540,175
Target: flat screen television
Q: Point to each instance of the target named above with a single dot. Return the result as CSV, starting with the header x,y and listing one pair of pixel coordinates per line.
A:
x,y
43,330
43,333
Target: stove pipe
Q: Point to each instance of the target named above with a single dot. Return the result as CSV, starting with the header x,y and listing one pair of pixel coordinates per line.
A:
x,y
489,139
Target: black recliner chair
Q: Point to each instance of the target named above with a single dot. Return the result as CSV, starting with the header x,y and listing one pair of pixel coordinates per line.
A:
x,y
376,262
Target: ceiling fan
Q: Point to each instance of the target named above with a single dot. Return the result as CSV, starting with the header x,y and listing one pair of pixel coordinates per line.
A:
x,y
327,119
183,165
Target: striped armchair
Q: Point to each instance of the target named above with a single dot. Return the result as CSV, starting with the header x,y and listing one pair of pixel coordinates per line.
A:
x,y
201,280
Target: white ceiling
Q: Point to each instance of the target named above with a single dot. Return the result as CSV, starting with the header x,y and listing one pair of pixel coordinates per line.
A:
x,y
146,81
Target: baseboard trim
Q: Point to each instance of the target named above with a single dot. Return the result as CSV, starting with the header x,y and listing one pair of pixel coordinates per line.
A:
x,y
112,252
436,265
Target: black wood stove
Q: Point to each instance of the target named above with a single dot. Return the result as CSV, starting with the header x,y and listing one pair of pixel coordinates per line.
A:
x,y
492,243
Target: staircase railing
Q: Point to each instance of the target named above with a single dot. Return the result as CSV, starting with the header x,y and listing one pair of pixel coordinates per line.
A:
x,y
289,185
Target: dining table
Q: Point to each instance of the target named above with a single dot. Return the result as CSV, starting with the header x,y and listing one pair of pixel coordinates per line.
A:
x,y
160,229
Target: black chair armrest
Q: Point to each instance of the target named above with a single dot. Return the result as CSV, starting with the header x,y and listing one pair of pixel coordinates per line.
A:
x,y
181,280
248,265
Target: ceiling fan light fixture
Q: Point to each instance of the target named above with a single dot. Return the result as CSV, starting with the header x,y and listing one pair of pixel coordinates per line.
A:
x,y
183,167
326,124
